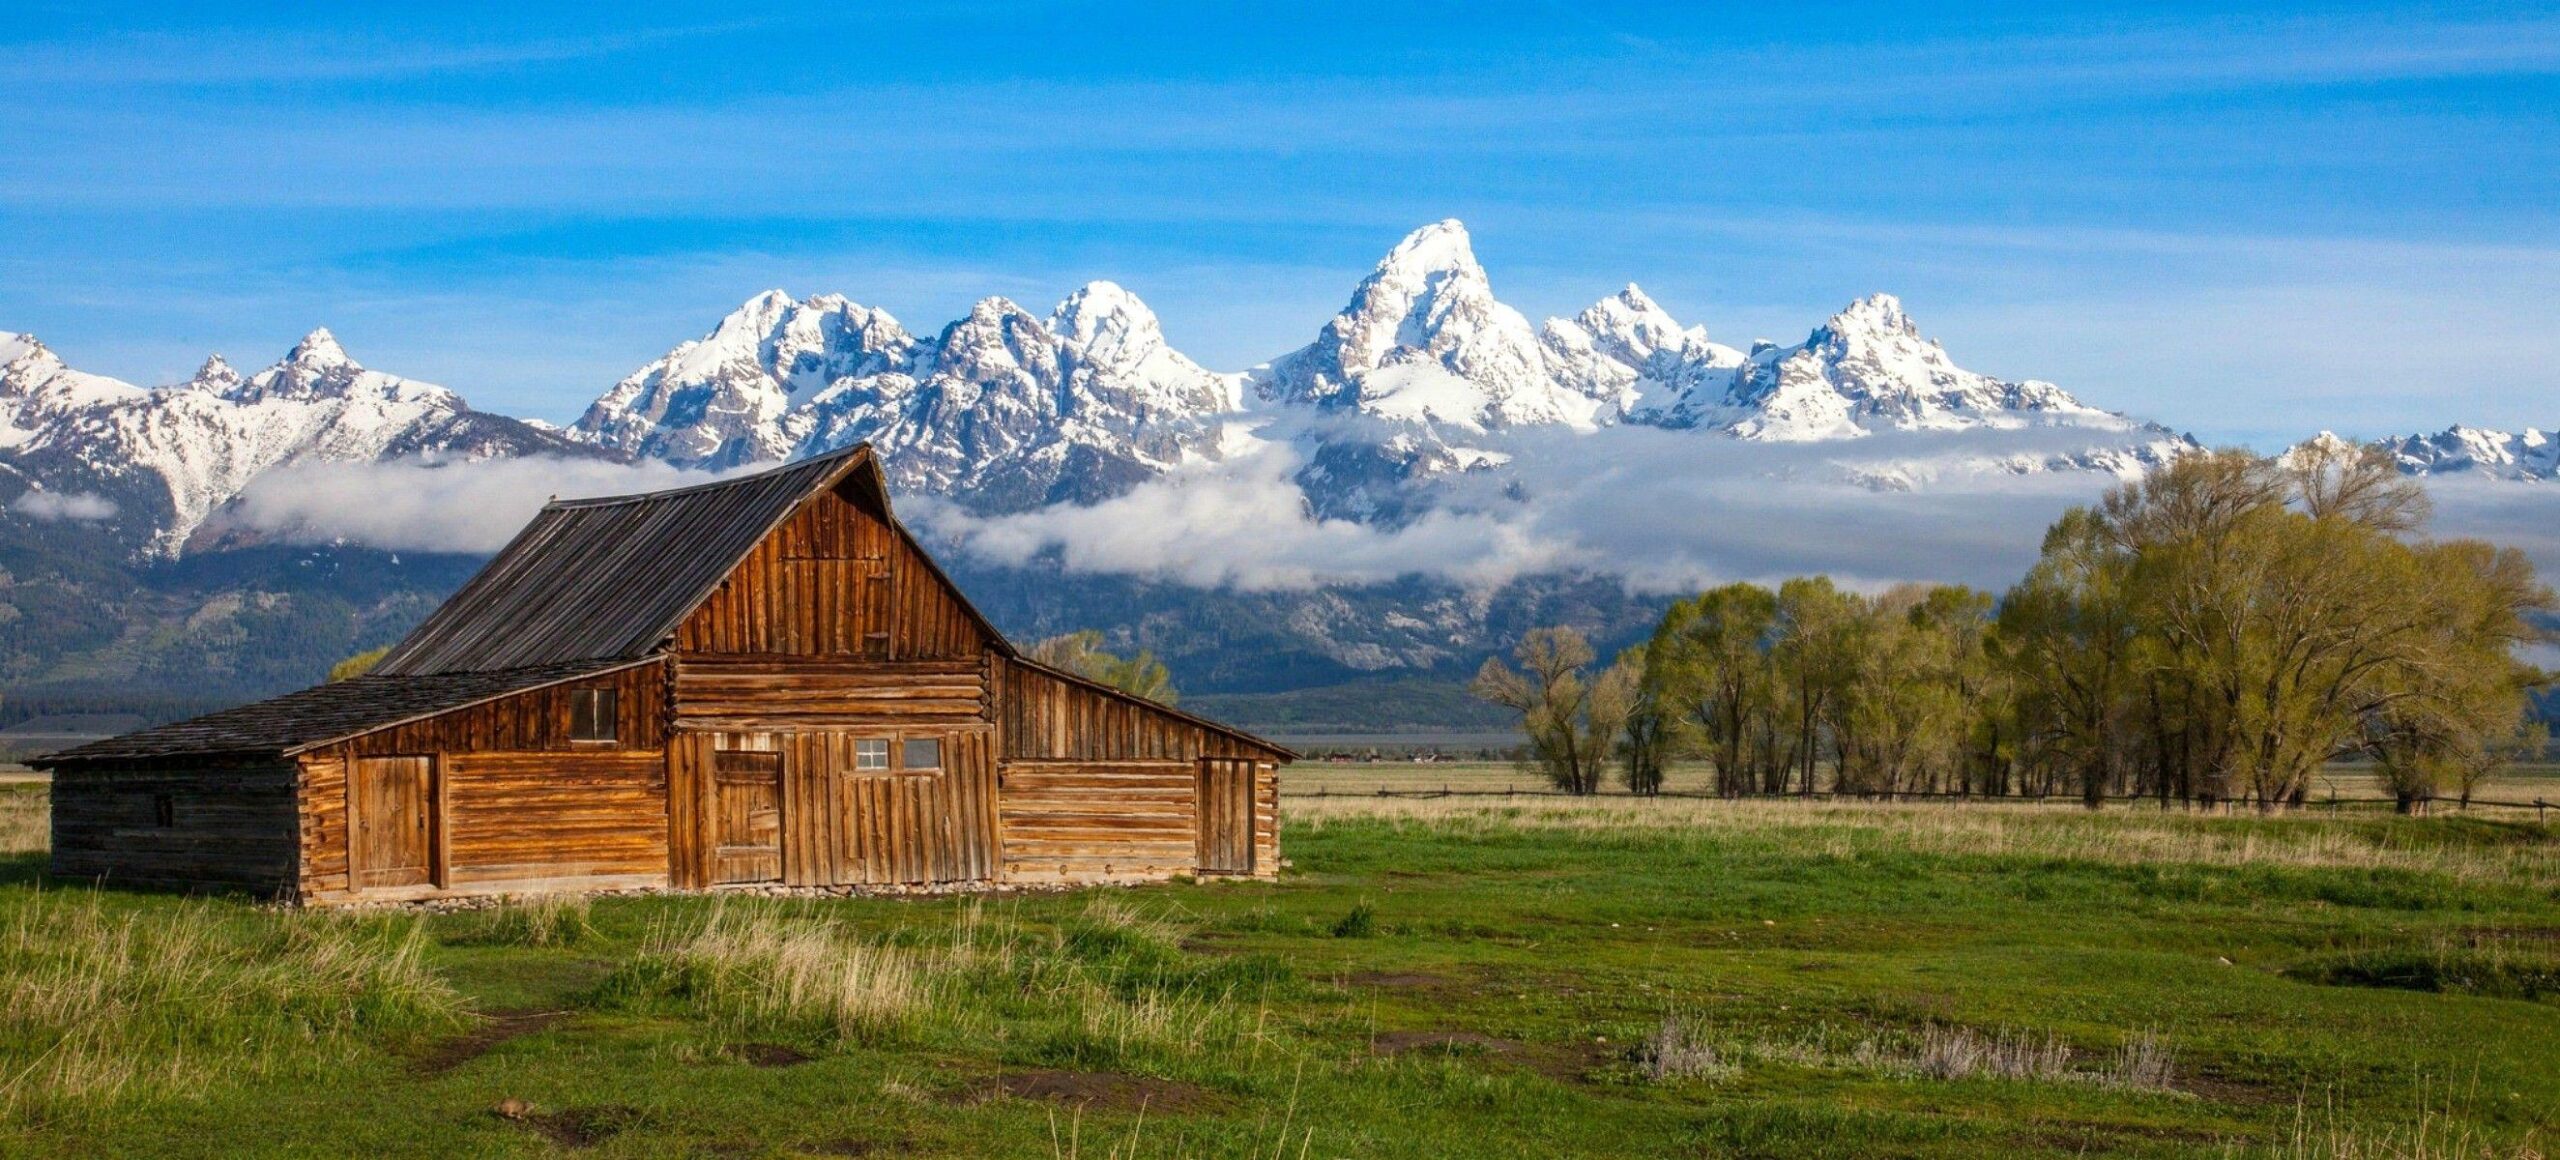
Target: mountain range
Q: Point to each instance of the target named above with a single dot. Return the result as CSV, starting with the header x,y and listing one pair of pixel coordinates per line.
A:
x,y
1419,398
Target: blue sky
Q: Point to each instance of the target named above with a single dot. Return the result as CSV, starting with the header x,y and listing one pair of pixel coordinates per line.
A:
x,y
2248,223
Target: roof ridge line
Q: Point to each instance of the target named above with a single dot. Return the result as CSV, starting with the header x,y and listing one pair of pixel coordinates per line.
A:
x,y
688,489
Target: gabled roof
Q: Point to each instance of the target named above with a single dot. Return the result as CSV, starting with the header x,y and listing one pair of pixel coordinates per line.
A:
x,y
594,579
296,722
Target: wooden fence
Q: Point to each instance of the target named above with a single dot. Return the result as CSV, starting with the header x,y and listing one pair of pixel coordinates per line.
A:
x,y
2332,802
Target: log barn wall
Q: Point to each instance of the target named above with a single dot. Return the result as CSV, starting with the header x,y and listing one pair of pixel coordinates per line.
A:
x,y
1097,785
837,579
177,824
520,805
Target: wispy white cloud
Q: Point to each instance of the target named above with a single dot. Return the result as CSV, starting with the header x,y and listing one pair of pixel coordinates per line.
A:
x,y
427,505
49,506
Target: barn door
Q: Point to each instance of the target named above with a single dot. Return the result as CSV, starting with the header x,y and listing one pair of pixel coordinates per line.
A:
x,y
392,836
914,807
747,842
1226,816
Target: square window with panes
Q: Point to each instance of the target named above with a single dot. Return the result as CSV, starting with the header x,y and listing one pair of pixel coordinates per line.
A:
x,y
592,714
871,754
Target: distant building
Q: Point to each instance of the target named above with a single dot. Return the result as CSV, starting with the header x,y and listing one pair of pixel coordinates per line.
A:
x,y
759,681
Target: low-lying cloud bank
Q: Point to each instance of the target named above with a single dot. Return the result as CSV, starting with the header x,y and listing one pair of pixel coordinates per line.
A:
x,y
427,505
1664,510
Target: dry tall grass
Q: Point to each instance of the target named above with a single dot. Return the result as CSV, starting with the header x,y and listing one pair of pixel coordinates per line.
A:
x,y
26,822
2325,1132
1685,1048
1099,982
2123,836
752,967
97,1007
537,920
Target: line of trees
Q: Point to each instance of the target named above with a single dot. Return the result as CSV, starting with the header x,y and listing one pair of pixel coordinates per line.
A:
x,y
2212,633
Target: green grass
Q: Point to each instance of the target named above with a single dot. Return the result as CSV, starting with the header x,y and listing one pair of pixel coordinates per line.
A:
x,y
1429,979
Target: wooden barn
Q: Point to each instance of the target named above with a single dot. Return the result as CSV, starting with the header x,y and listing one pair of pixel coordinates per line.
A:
x,y
763,681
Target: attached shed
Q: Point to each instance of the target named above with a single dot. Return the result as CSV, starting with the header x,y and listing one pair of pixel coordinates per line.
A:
x,y
762,681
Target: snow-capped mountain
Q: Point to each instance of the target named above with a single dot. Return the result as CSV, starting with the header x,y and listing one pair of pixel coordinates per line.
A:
x,y
1002,409
1866,369
165,459
1424,369
2530,454
1425,342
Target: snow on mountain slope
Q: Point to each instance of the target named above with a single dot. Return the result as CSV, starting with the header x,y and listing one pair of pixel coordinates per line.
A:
x,y
37,390
739,394
1002,410
1868,368
1424,341
2530,454
169,457
1629,351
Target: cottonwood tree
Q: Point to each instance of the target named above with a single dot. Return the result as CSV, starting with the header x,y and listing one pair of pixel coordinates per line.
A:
x,y
1817,650
2260,617
1651,735
1081,653
1709,669
1573,717
2067,634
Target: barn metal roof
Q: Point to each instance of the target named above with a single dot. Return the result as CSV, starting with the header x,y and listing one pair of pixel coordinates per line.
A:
x,y
327,713
597,578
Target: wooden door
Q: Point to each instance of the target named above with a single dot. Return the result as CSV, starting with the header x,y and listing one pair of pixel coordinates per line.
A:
x,y
747,797
896,830
1225,803
392,835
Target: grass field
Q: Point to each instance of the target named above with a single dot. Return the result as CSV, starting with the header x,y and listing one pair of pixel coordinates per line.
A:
x,y
1432,977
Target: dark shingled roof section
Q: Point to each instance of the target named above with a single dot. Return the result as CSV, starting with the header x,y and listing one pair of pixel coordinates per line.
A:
x,y
317,716
599,578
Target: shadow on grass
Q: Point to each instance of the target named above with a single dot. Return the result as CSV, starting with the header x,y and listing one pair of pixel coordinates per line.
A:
x,y
22,869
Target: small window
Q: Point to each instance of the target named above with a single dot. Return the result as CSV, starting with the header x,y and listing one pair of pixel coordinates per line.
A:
x,y
921,753
164,811
592,714
870,755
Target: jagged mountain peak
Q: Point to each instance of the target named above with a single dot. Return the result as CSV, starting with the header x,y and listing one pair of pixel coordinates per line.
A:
x,y
1103,314
2531,454
1630,325
216,375
319,350
1875,314
1424,342
35,381
1870,367
1441,247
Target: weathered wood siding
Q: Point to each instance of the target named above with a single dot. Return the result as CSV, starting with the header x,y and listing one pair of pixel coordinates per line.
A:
x,y
842,826
536,720
226,827
759,694
519,806
1074,821
836,580
541,820
1043,717
1101,786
